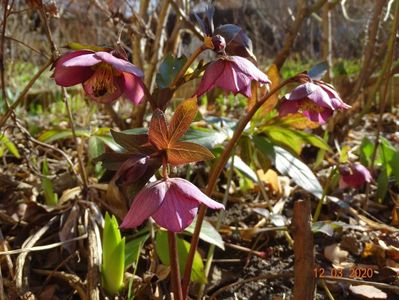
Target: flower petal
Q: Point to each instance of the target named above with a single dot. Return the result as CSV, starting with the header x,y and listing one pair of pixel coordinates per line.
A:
x,y
133,88
301,91
248,68
69,76
85,60
321,98
319,117
177,211
119,64
146,203
191,191
288,107
211,75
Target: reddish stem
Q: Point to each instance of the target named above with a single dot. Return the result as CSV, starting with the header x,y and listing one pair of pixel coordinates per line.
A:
x,y
174,267
215,175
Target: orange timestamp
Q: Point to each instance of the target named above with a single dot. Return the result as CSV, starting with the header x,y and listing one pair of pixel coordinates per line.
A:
x,y
353,272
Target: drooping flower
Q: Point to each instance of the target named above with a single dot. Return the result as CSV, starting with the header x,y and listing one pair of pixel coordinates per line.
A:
x,y
354,176
316,100
172,203
104,76
233,74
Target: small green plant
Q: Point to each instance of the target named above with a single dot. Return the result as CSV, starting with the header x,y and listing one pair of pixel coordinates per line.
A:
x,y
50,197
113,264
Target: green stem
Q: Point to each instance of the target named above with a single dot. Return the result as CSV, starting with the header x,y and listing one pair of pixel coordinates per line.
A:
x,y
215,175
323,196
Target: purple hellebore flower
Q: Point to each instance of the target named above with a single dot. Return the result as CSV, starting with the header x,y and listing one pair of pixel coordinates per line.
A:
x,y
104,76
316,100
231,73
172,203
354,176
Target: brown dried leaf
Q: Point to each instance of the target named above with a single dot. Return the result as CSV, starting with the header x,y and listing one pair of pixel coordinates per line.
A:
x,y
367,292
335,254
274,76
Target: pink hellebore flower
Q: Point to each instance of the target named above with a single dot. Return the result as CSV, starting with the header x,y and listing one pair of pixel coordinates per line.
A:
x,y
104,76
233,74
172,203
316,100
354,176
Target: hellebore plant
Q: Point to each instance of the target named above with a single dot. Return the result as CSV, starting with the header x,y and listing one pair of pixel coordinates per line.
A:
x,y
354,176
174,202
316,100
104,75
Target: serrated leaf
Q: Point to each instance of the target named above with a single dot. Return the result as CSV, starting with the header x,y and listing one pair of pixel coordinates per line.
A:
x,y
208,233
182,118
169,69
130,142
287,164
197,273
185,152
158,132
318,71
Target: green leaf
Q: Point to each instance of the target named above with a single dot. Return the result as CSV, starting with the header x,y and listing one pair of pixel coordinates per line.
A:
x,y
50,136
382,185
287,164
50,197
208,233
113,266
240,165
133,249
366,151
96,147
206,137
294,139
9,145
197,273
169,69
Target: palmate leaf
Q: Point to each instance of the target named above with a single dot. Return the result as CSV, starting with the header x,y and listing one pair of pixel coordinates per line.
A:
x,y
182,118
158,131
185,152
166,138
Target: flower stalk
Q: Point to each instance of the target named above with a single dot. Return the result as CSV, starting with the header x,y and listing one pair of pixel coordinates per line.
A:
x,y
215,172
174,266
188,63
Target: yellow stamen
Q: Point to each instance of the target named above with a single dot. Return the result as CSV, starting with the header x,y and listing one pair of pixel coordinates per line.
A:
x,y
103,80
308,105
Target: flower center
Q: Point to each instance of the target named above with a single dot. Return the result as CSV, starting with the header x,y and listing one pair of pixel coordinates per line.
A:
x,y
308,105
103,80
